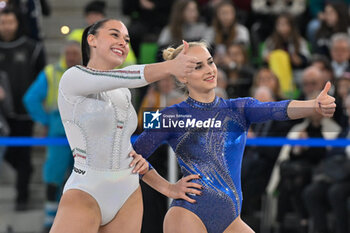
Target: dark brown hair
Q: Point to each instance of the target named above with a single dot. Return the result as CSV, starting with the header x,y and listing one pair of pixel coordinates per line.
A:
x,y
343,20
177,19
278,41
220,37
92,29
11,10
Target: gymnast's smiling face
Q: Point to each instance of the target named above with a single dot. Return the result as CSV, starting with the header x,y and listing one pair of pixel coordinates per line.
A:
x,y
204,77
110,45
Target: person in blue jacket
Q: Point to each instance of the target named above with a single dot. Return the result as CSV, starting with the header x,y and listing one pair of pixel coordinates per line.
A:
x,y
40,101
208,135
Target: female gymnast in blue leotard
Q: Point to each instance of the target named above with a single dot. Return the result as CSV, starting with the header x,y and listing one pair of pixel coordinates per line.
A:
x,y
208,135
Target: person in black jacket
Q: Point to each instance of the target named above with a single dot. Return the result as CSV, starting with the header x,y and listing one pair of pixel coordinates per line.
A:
x,y
6,108
21,58
31,12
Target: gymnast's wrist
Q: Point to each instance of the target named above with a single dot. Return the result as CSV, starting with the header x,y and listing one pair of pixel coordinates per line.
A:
x,y
150,167
171,65
168,190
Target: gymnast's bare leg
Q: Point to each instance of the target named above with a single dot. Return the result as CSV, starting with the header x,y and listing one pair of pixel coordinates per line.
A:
x,y
82,212
129,217
181,220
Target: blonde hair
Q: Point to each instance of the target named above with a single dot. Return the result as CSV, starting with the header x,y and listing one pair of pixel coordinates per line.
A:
x,y
170,52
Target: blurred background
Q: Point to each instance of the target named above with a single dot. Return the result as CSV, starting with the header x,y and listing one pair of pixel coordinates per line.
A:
x,y
267,49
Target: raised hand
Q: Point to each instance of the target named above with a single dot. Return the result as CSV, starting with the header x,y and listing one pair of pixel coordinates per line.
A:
x,y
141,164
325,104
183,187
183,63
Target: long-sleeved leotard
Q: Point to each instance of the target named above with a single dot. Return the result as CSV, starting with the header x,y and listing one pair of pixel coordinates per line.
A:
x,y
99,119
210,142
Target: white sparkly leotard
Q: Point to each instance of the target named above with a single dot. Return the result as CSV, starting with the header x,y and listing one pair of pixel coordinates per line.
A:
x,y
99,119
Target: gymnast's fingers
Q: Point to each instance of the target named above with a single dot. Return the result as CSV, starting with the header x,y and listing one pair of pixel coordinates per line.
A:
x,y
144,168
187,198
139,165
132,153
326,101
329,115
194,185
193,191
191,177
137,157
185,48
330,106
328,111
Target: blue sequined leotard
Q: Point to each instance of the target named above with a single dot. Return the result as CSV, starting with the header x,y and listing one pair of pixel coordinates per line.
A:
x,y
209,139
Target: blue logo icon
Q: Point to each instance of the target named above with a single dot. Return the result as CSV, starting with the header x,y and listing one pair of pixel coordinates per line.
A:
x,y
151,120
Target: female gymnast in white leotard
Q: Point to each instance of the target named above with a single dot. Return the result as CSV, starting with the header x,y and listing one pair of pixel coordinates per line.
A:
x,y
103,194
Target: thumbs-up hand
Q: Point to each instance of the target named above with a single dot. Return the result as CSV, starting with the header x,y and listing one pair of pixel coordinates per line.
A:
x,y
184,64
325,103
185,48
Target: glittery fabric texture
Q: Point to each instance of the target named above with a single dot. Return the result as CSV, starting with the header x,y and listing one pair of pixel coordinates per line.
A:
x,y
98,116
215,153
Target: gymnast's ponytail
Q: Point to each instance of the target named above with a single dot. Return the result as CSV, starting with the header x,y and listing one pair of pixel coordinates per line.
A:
x,y
85,48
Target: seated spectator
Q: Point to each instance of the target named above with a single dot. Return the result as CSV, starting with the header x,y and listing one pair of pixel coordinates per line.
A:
x,y
342,85
286,52
340,53
316,10
184,25
294,8
258,161
312,81
335,20
331,188
243,9
321,61
240,74
263,94
293,169
148,17
226,28
265,13
265,77
323,64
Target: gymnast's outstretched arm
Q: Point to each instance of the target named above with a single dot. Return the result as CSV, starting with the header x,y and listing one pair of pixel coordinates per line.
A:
x,y
324,104
82,81
256,111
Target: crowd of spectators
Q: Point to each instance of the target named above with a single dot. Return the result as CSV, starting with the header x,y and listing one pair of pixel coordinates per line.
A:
x,y
268,49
